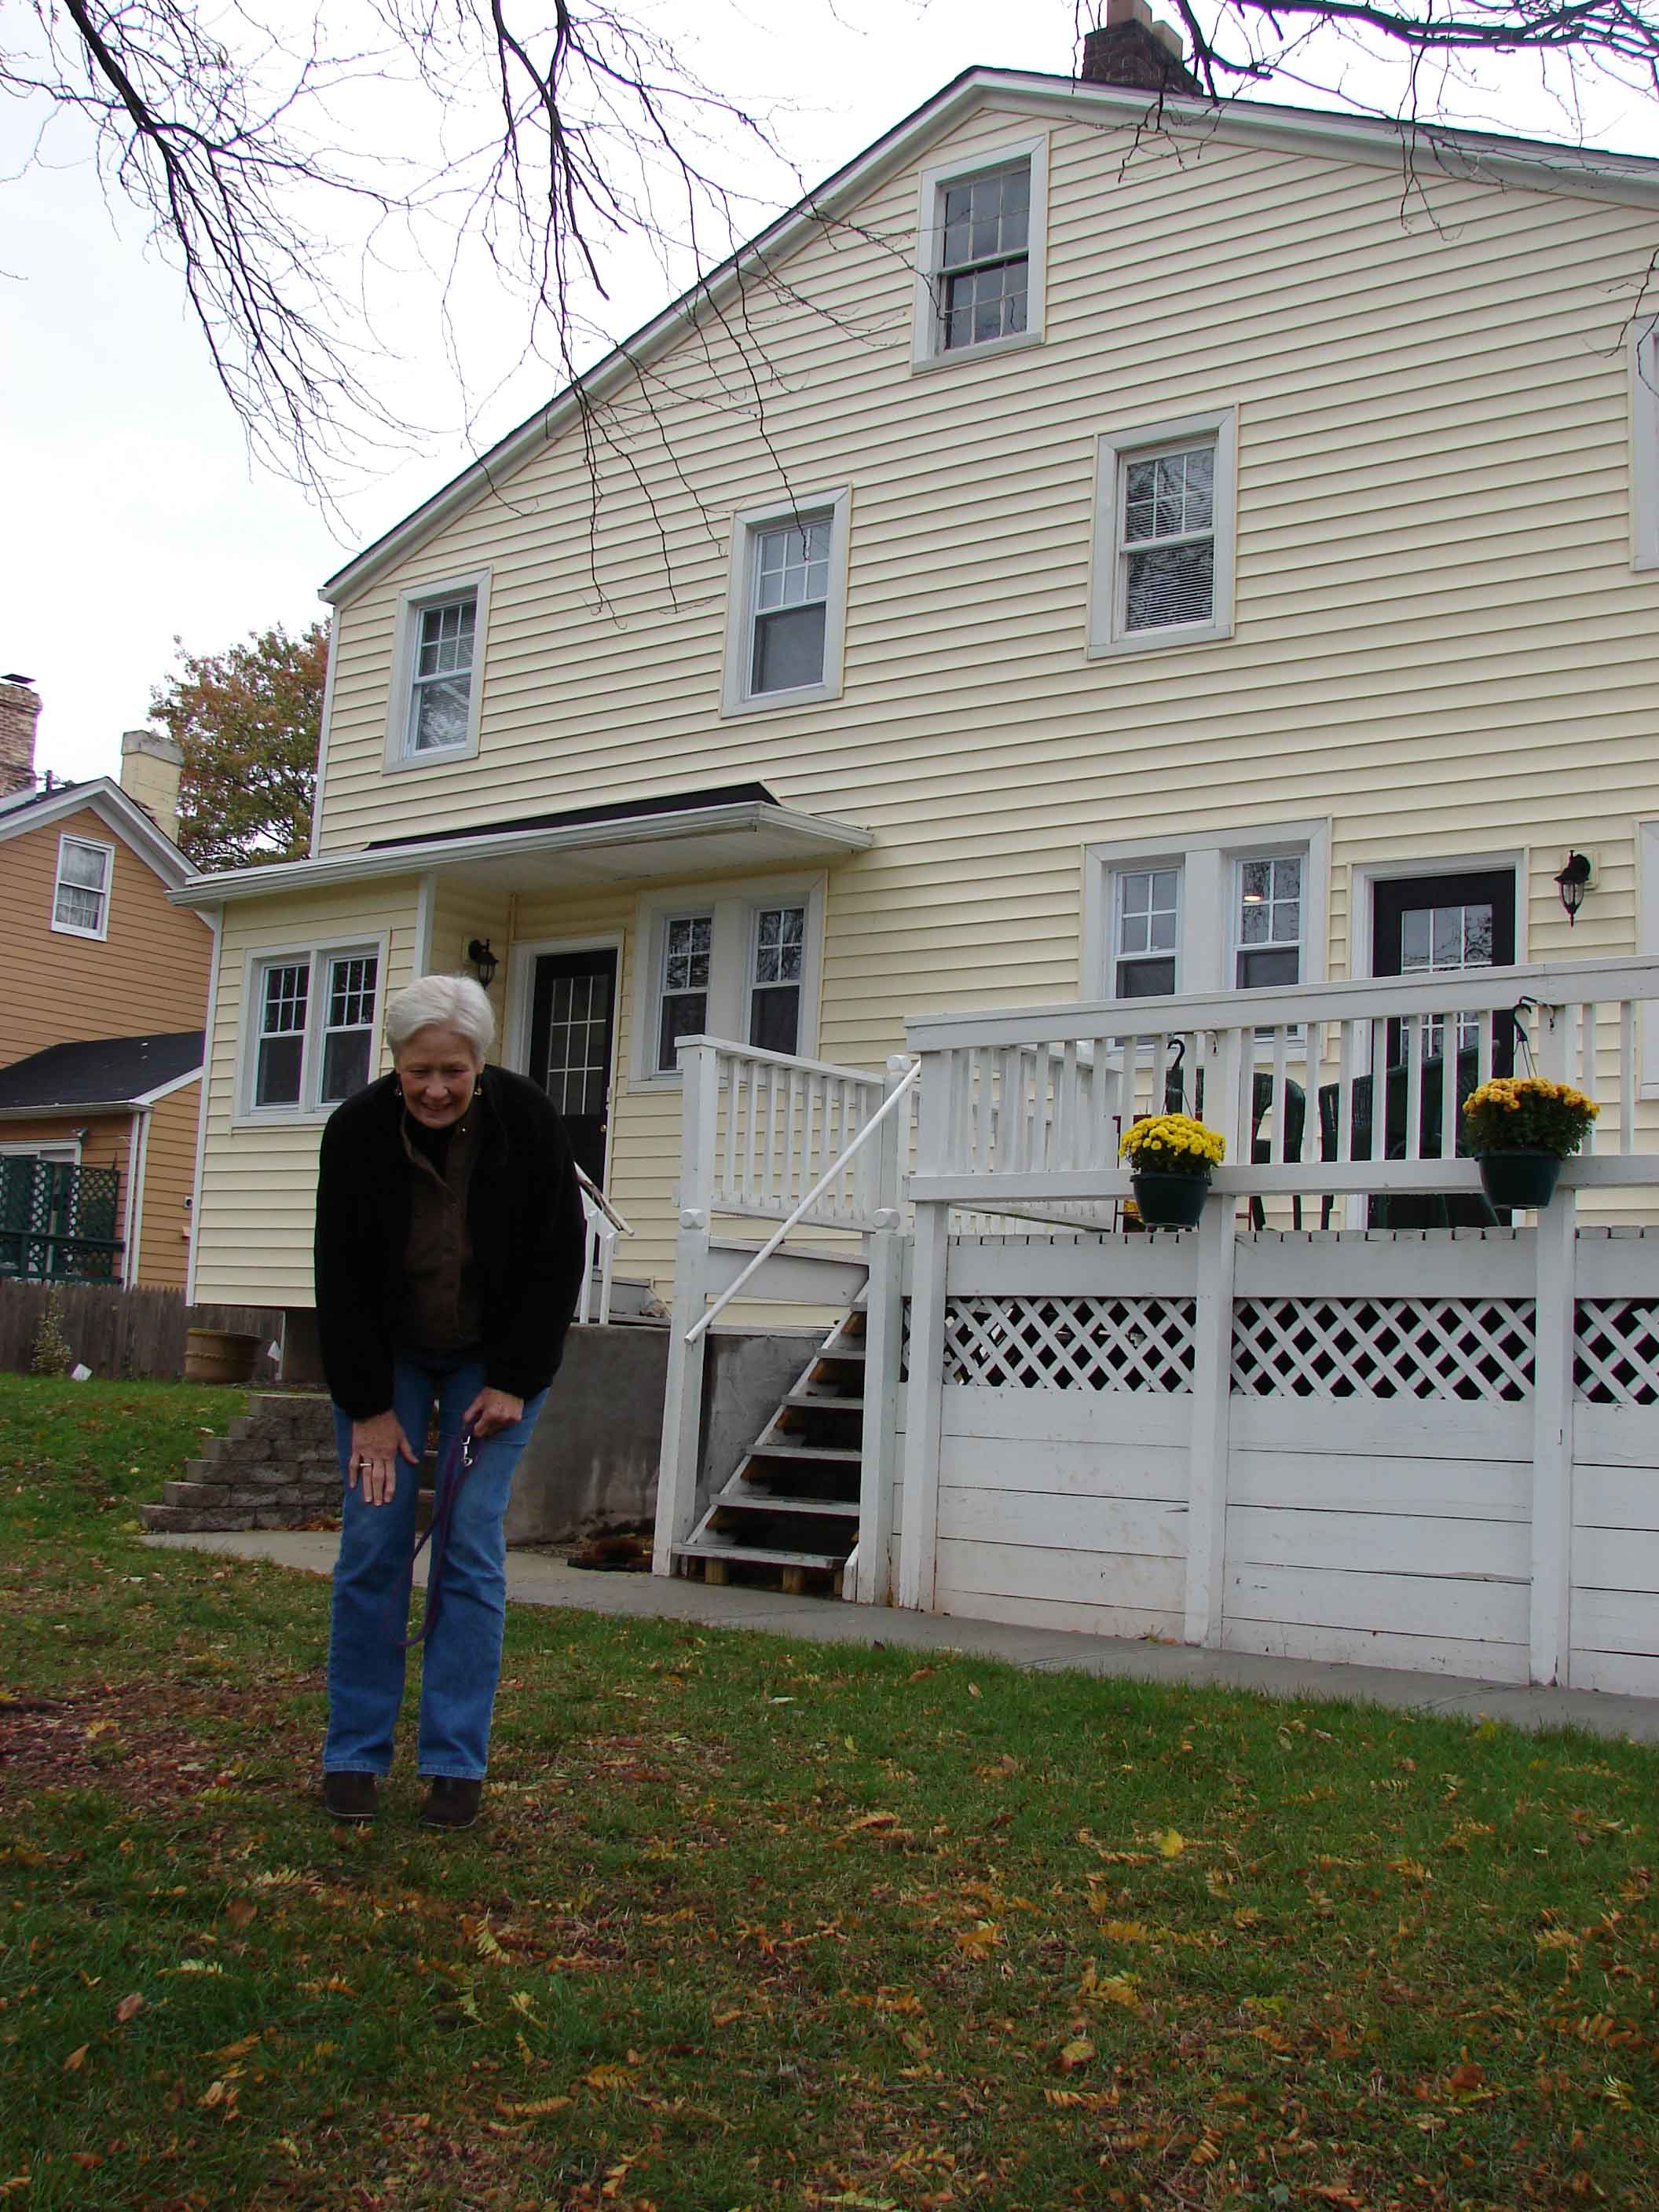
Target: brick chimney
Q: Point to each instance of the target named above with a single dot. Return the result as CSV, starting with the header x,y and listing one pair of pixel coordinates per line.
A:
x,y
149,775
1133,49
20,710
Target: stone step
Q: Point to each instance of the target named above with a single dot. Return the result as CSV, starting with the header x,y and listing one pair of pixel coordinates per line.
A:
x,y
195,1494
186,1520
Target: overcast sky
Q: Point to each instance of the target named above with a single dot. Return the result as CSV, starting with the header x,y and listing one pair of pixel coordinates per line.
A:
x,y
132,512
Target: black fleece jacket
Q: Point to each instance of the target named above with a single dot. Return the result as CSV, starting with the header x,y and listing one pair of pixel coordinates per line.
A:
x,y
524,1214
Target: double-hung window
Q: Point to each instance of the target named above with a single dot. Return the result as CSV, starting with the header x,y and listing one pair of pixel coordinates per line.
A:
x,y
687,941
1147,947
79,899
311,1029
1163,535
437,672
741,960
979,253
1268,951
787,603
1644,428
776,968
1207,911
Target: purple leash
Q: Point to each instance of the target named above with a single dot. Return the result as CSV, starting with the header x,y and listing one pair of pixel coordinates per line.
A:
x,y
453,1469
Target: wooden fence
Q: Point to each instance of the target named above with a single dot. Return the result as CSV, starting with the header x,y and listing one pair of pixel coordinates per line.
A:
x,y
120,1333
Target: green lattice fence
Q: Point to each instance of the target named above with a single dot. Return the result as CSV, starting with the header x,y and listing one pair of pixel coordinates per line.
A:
x,y
58,1221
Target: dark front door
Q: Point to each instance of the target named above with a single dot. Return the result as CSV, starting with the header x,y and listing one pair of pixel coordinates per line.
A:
x,y
573,1019
1444,925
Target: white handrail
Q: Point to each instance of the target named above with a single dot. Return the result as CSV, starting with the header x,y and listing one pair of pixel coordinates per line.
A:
x,y
592,1189
898,1091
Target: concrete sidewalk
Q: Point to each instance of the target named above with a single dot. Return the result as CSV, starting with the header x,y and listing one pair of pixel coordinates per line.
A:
x,y
532,1579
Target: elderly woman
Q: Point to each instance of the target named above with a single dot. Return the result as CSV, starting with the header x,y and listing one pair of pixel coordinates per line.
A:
x,y
449,1256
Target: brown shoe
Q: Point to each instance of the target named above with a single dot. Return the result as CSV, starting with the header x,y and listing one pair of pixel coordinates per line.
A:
x,y
350,1795
450,1802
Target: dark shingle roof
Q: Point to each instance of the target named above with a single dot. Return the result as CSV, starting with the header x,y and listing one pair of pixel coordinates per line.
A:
x,y
99,1071
572,818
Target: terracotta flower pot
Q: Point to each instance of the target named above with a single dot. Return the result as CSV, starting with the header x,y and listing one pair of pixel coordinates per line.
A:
x,y
1169,1201
1519,1178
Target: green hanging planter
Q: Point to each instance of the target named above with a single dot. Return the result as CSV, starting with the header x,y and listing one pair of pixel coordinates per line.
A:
x,y
1169,1201
1519,1178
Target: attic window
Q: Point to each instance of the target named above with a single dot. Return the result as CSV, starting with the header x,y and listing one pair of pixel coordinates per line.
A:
x,y
80,902
980,254
437,681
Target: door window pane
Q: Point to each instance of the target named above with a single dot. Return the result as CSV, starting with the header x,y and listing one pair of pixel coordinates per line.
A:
x,y
1444,940
577,1068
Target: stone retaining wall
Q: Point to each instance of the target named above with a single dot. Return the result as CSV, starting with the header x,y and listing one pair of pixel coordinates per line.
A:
x,y
276,1469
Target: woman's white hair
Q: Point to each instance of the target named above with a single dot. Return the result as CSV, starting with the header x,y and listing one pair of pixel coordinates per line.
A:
x,y
443,1002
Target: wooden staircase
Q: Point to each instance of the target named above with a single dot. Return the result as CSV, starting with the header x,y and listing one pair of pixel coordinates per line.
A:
x,y
792,1509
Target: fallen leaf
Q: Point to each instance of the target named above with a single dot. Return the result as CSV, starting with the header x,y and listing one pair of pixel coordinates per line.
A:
x,y
129,2008
1078,2052
239,1911
610,2077
1171,1842
1118,1990
539,2109
979,1940
244,2044
1466,2076
1123,1931
973,1689
76,2059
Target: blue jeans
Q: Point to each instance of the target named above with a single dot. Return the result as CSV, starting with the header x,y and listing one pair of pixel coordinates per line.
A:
x,y
463,1654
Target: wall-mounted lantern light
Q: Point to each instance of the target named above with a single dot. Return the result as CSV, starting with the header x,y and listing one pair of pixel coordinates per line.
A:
x,y
1573,882
484,963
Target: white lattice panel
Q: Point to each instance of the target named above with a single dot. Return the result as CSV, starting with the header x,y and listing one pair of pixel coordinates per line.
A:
x,y
1616,1353
1383,1347
1070,1344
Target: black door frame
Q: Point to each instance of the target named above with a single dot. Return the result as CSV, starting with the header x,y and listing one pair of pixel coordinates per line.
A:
x,y
522,1005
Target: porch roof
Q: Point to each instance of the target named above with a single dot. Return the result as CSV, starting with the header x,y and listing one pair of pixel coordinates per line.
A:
x,y
100,1074
734,826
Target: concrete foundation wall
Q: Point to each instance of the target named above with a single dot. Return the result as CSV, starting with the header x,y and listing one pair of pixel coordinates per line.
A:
x,y
592,1463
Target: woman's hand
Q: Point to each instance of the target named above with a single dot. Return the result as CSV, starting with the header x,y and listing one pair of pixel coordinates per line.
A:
x,y
491,1410
374,1448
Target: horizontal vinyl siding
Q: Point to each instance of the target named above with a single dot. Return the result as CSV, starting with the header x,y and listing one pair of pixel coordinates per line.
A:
x,y
259,1181
148,975
1439,643
169,1172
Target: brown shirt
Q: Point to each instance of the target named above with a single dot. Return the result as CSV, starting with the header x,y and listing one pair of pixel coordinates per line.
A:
x,y
439,1310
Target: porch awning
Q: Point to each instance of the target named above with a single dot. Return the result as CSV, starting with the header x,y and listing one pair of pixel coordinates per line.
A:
x,y
734,826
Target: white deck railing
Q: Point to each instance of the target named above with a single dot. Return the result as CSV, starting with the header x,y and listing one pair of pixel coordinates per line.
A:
x,y
763,1130
1327,1088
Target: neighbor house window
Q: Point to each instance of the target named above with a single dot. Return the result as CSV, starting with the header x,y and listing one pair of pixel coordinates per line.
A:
x,y
776,967
979,253
1644,427
1148,935
739,961
1268,950
312,1022
688,942
80,902
437,677
1163,535
787,603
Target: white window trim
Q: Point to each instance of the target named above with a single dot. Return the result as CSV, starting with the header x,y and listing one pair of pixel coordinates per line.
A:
x,y
411,604
1208,861
1364,876
927,349
1106,635
1644,446
250,1116
733,906
94,845
65,1152
736,697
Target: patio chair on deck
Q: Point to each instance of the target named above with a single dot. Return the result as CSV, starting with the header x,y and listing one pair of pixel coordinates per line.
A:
x,y
1408,1209
1293,1121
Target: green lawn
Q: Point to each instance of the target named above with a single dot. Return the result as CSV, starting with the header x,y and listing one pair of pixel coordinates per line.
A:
x,y
758,1924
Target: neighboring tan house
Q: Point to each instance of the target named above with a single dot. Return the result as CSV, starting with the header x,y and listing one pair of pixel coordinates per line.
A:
x,y
1087,547
103,985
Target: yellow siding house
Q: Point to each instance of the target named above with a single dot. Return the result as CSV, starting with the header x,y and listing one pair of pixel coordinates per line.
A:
x,y
1077,551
